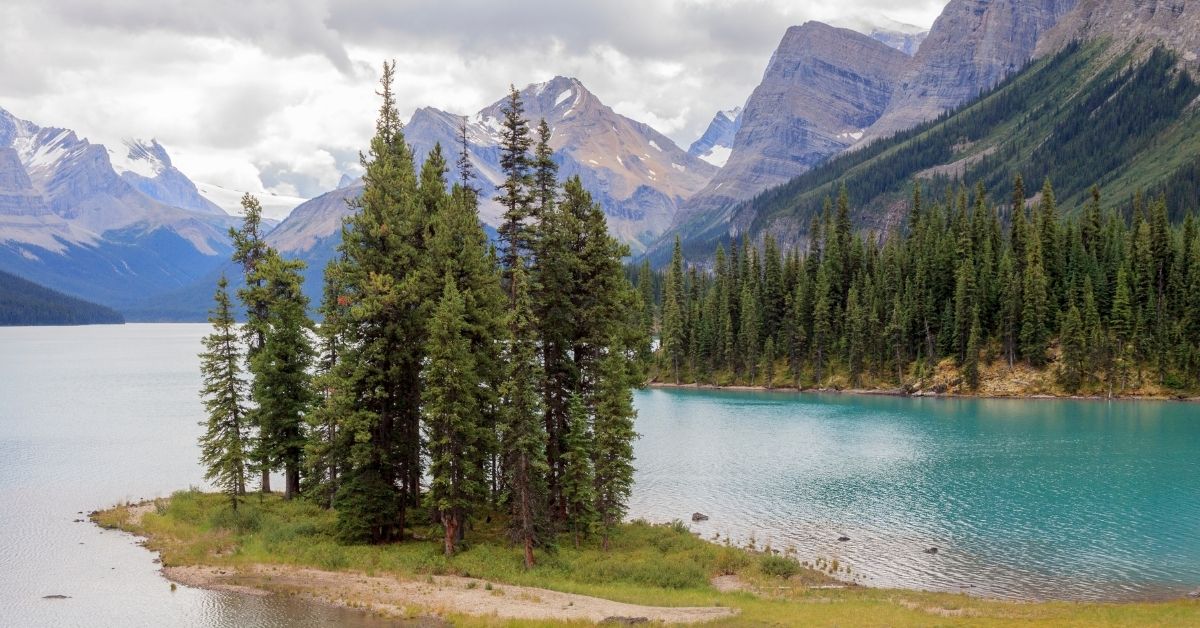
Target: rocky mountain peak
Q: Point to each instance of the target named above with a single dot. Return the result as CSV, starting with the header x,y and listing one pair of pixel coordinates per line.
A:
x,y
972,46
1173,23
822,88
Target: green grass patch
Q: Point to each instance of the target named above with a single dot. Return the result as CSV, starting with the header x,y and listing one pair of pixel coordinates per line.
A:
x,y
661,565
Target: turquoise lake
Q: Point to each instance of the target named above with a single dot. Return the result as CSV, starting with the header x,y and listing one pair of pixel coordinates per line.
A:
x,y
1024,499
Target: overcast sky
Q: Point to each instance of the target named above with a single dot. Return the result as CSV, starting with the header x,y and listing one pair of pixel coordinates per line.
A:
x,y
278,95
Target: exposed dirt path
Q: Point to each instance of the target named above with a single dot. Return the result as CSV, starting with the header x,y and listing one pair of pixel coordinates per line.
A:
x,y
439,595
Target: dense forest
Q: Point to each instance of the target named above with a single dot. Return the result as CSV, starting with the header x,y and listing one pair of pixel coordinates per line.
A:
x,y
1108,304
447,380
23,302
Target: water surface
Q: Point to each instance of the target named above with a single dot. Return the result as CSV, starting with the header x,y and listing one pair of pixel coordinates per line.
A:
x,y
1026,499
1022,498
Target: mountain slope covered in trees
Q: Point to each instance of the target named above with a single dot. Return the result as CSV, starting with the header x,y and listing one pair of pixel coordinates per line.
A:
x,y
1124,121
23,302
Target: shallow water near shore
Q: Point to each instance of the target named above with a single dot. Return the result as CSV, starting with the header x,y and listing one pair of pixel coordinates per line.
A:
x,y
1024,499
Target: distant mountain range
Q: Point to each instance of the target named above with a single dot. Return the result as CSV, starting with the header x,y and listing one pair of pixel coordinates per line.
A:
x,y
874,105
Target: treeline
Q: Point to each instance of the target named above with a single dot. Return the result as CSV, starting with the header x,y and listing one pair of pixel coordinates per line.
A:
x,y
447,379
1114,302
23,302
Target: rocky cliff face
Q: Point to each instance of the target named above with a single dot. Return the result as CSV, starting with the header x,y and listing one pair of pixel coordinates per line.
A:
x,y
821,90
1173,23
638,175
972,46
717,142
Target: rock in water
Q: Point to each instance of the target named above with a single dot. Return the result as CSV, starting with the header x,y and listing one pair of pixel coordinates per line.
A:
x,y
932,550
843,538
56,596
699,516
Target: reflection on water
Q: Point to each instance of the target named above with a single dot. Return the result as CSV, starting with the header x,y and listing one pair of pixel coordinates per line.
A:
x,y
1024,499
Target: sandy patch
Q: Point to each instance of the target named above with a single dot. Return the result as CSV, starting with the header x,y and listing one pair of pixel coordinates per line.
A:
x,y
438,594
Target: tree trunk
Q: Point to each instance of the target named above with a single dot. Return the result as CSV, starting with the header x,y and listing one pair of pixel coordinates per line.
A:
x,y
451,524
528,552
266,480
291,484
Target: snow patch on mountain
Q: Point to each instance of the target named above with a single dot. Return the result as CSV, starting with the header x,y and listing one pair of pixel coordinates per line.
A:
x,y
275,207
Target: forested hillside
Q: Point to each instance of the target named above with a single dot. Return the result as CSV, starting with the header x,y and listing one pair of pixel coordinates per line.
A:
x,y
26,303
970,295
1084,116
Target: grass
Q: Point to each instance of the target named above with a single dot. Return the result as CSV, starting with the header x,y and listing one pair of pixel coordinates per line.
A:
x,y
661,565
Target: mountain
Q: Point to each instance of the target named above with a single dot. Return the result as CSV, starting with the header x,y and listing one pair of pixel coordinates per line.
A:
x,y
906,38
147,167
26,303
1116,113
1169,22
822,88
275,207
717,142
971,47
72,220
638,175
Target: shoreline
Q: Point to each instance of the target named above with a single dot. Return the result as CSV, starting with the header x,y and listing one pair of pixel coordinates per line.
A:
x,y
898,392
458,597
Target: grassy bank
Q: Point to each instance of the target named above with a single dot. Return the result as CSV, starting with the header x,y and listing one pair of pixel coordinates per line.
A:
x,y
661,565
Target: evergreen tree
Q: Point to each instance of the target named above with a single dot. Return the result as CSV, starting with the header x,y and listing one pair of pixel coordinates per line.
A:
x,y
578,481
451,411
515,194
385,338
673,335
524,437
223,446
1074,350
613,436
250,250
970,364
282,385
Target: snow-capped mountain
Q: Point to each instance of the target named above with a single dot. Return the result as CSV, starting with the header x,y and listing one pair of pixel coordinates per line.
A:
x,y
108,226
147,167
638,175
717,142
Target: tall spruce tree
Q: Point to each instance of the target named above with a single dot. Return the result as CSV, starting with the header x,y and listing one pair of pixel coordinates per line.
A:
x,y
515,194
457,485
524,437
224,444
250,250
613,436
578,480
282,386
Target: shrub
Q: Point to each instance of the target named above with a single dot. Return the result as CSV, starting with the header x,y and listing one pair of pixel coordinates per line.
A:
x,y
778,566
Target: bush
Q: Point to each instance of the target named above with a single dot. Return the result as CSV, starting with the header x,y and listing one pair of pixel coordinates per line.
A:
x,y
245,519
778,566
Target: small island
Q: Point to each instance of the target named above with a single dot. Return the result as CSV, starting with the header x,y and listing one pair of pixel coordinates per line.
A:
x,y
656,573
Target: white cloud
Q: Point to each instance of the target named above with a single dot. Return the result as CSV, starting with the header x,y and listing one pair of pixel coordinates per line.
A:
x,y
279,95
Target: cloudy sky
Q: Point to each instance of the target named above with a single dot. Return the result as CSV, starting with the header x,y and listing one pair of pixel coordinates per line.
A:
x,y
278,95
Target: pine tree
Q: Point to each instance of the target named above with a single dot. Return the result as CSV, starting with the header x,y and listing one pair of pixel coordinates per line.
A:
x,y
613,436
515,194
524,437
250,250
1035,312
223,446
1074,350
646,290
970,364
748,339
822,325
769,363
385,339
451,412
578,481
282,385
673,335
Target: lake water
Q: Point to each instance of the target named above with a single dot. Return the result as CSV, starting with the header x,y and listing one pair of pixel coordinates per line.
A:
x,y
1023,499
